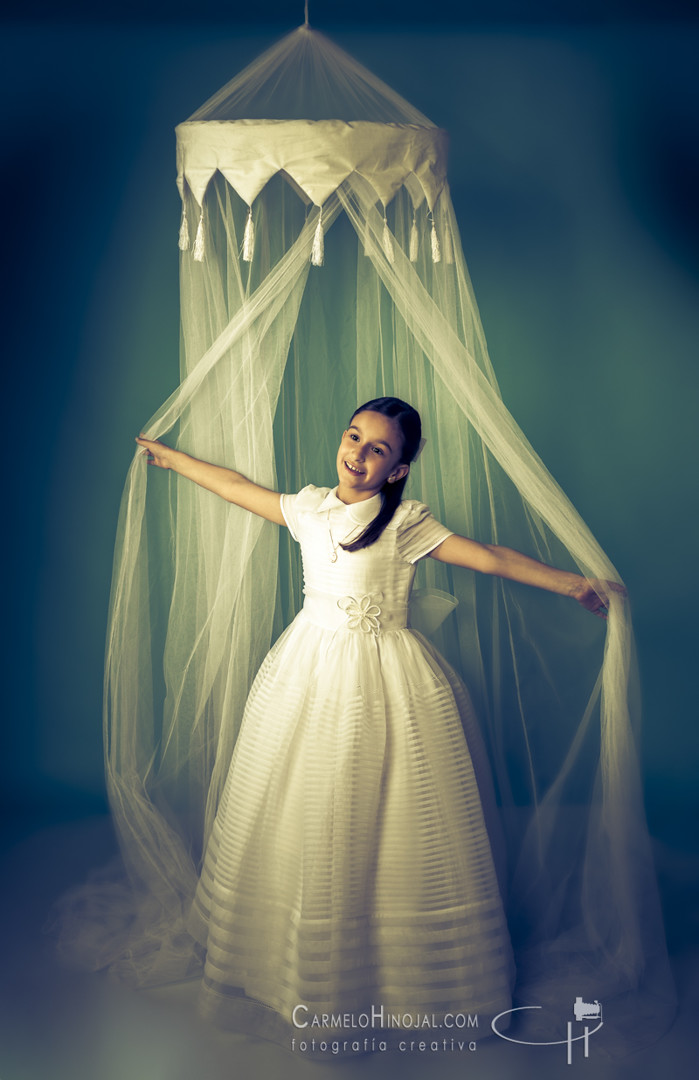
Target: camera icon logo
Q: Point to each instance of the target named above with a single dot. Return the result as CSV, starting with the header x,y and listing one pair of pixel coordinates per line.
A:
x,y
585,1011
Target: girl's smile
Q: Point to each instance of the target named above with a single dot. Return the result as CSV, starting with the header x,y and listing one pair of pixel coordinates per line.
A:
x,y
369,456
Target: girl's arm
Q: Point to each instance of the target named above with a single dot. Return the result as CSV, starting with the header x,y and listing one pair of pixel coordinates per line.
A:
x,y
507,563
230,485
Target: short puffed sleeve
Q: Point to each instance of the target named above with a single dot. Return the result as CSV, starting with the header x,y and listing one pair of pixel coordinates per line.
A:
x,y
417,531
307,500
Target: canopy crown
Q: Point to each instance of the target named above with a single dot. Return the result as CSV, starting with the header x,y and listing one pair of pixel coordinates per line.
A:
x,y
308,110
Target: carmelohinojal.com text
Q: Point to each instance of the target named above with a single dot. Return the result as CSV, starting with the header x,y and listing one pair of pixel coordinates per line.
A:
x,y
323,1032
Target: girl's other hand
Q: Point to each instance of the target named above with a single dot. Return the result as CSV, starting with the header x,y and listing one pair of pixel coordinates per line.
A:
x,y
156,452
593,594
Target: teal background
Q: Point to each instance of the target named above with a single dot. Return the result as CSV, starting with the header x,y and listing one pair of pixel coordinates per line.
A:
x,y
573,171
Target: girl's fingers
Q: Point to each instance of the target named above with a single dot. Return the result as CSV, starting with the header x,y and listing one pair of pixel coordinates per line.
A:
x,y
147,448
599,601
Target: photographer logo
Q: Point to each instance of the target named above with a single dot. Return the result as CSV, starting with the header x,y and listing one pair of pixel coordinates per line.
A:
x,y
583,1011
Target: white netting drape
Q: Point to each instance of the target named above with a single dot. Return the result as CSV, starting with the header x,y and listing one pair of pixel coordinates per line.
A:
x,y
276,354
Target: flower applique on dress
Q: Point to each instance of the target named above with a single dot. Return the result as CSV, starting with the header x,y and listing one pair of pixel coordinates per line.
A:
x,y
362,612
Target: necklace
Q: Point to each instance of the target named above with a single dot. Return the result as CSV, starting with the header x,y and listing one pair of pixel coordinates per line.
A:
x,y
333,543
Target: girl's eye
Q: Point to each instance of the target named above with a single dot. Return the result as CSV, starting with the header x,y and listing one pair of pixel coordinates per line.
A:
x,y
353,436
378,450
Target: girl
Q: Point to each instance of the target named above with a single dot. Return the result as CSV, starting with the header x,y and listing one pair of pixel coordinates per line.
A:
x,y
353,866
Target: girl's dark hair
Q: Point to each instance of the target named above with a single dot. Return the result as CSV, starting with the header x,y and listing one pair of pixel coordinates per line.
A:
x,y
408,420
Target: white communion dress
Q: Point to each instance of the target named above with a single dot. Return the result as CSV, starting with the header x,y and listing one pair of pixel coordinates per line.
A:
x,y
350,867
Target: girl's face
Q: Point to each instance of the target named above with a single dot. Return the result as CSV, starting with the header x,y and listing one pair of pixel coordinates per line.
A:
x,y
368,456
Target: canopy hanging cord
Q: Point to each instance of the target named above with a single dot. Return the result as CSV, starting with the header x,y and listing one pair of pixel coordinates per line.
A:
x,y
305,13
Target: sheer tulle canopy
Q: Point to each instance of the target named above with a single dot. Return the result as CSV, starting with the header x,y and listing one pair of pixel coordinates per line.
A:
x,y
321,266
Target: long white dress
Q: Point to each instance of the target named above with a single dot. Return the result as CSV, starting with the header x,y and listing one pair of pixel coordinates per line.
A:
x,y
350,867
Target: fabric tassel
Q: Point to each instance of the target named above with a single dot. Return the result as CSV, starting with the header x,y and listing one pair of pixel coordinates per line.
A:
x,y
249,238
318,249
184,231
198,249
388,242
436,250
413,241
448,245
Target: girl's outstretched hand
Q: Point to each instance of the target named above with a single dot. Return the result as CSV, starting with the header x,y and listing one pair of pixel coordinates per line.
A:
x,y
157,453
593,594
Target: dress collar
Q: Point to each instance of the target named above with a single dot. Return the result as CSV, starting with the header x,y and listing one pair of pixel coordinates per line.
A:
x,y
361,513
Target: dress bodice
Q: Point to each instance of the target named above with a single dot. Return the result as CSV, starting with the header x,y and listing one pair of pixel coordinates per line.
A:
x,y
366,590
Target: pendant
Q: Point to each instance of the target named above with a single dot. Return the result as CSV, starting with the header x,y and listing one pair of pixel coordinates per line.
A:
x,y
333,545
